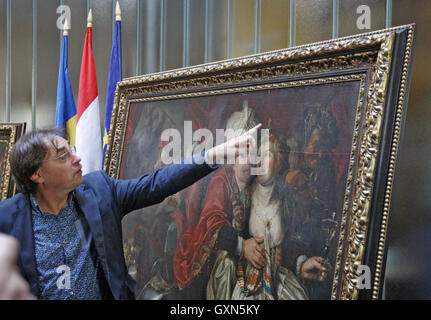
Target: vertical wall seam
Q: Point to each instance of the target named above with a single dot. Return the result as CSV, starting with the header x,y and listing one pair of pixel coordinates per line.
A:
x,y
186,33
228,29
335,18
138,37
162,34
34,68
292,23
113,19
388,18
257,25
206,36
8,60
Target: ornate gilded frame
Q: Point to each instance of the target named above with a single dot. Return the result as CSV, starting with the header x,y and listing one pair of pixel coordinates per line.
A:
x,y
9,134
381,60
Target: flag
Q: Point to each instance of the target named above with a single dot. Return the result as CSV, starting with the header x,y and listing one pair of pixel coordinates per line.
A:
x,y
115,75
65,110
88,137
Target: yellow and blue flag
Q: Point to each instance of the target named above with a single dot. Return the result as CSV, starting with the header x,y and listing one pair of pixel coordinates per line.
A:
x,y
65,114
115,75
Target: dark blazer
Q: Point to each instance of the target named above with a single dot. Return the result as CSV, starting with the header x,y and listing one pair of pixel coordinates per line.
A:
x,y
104,202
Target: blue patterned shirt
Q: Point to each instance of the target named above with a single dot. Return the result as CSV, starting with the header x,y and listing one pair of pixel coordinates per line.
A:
x,y
64,264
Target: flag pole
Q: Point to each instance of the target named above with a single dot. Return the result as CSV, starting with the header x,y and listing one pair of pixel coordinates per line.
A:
x,y
65,108
90,19
88,133
66,28
115,75
117,12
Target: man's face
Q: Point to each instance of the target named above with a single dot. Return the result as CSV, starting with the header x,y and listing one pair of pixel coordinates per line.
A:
x,y
313,150
61,168
242,172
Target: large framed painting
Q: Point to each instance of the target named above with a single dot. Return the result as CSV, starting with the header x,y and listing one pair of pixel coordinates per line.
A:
x,y
333,112
9,134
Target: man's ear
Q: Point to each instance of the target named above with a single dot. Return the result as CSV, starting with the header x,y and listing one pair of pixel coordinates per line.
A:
x,y
36,177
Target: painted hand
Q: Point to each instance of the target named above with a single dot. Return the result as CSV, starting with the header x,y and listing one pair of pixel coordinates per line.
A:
x,y
295,178
254,253
313,269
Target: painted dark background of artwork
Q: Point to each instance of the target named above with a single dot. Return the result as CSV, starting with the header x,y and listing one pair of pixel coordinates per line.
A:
x,y
282,109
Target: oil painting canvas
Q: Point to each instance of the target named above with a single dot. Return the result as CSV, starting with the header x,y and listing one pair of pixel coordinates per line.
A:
x,y
333,112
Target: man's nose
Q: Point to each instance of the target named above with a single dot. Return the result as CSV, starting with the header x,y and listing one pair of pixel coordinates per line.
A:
x,y
76,158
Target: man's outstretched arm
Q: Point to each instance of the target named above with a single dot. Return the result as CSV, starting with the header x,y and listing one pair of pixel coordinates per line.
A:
x,y
153,188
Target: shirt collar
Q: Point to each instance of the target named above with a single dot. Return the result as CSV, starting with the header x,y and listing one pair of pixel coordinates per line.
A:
x,y
36,208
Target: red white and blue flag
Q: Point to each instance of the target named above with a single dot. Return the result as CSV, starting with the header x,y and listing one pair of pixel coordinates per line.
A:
x,y
88,135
